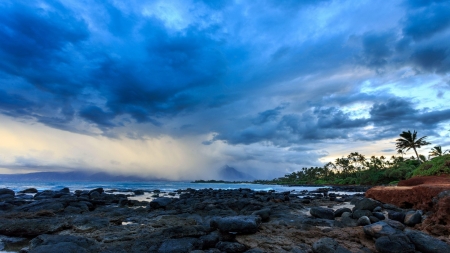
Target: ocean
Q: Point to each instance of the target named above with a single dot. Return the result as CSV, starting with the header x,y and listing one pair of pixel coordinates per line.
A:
x,y
166,186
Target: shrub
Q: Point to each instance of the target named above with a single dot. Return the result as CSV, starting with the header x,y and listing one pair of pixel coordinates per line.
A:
x,y
434,167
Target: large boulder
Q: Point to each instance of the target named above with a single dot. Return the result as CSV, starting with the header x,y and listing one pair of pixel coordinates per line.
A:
x,y
237,224
366,204
412,218
379,229
426,243
396,243
328,245
321,212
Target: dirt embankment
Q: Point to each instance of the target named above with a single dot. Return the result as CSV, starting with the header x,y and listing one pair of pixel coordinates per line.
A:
x,y
430,194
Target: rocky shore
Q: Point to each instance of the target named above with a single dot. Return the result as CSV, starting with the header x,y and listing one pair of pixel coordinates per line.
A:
x,y
209,220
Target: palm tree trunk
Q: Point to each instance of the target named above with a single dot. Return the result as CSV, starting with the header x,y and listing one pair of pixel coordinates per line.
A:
x,y
418,158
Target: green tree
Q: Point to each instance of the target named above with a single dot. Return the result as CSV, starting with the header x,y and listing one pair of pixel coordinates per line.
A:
x,y
409,141
437,151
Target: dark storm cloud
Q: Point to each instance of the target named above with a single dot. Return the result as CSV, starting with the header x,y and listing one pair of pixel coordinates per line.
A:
x,y
266,72
35,42
424,23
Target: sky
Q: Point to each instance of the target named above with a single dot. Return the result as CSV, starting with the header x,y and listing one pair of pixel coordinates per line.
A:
x,y
179,89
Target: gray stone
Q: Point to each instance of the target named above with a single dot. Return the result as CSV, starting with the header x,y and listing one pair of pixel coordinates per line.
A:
x,y
62,244
323,213
366,204
379,215
29,190
396,224
363,221
209,240
347,220
237,224
89,223
160,202
340,211
397,216
182,245
328,245
231,247
412,218
377,209
426,243
379,229
360,213
5,191
373,219
263,213
32,227
396,243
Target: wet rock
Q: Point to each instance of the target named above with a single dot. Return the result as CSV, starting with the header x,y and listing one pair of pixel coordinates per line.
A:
x,y
426,243
6,206
160,203
5,191
12,242
396,243
89,223
398,216
98,190
181,245
379,215
29,190
379,229
231,247
62,244
377,209
360,213
237,224
53,205
328,245
323,213
363,221
263,213
373,219
138,192
412,218
347,220
395,224
366,204
32,227
209,241
340,211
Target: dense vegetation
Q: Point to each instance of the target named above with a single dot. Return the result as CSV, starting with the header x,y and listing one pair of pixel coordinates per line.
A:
x,y
356,169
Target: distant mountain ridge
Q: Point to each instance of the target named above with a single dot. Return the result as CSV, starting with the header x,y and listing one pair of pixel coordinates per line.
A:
x,y
75,176
231,174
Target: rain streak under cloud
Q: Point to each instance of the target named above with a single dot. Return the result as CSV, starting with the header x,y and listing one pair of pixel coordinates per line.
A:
x,y
178,89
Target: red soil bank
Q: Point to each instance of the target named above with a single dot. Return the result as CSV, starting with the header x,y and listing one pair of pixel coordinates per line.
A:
x,y
418,193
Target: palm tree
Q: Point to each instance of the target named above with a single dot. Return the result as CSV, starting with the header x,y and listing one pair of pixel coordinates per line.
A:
x,y
409,141
437,151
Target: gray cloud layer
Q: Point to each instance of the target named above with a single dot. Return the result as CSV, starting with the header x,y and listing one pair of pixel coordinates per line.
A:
x,y
280,73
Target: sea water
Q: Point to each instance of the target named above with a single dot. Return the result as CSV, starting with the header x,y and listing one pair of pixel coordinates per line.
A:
x,y
164,186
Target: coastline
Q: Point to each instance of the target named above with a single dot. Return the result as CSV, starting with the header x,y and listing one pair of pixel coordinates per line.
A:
x,y
206,220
